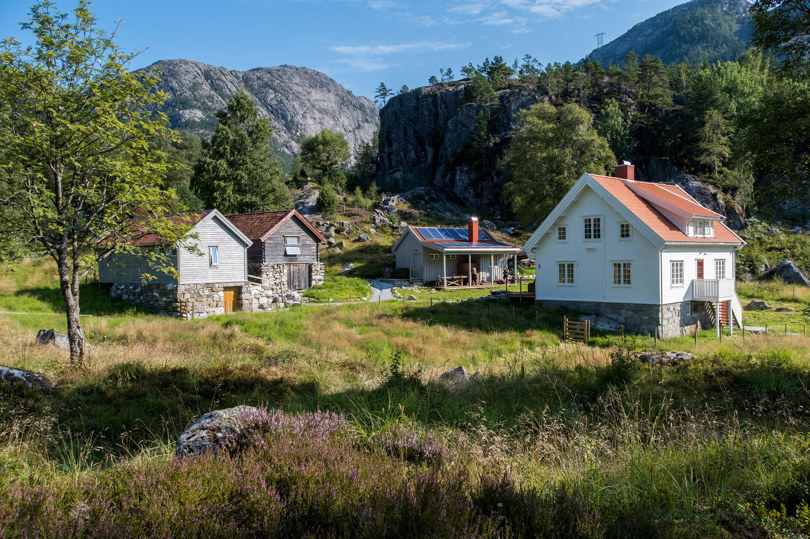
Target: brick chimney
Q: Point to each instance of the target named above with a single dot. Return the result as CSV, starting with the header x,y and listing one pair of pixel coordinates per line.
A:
x,y
472,230
625,171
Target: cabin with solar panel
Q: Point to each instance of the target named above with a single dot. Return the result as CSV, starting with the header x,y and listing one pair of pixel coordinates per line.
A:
x,y
452,257
643,255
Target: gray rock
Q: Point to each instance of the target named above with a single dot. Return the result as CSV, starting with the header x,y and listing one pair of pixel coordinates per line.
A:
x,y
664,358
455,377
54,337
31,379
757,305
341,244
363,237
784,310
297,100
489,225
788,272
411,298
330,240
291,296
212,430
347,267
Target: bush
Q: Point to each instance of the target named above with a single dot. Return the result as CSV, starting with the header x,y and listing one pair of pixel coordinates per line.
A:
x,y
327,200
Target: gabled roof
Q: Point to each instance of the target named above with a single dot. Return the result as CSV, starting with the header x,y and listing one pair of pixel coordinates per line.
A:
x,y
644,204
259,226
192,218
454,239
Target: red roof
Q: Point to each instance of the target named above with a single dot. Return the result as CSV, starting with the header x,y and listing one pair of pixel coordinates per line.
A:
x,y
652,217
259,226
149,238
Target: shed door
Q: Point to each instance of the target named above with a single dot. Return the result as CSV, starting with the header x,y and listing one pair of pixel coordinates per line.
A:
x,y
416,268
297,276
230,298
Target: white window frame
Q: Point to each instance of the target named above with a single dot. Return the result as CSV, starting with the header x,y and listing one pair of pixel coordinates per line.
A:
x,y
451,257
703,228
434,256
676,276
562,231
625,270
719,268
213,256
629,231
292,241
569,268
595,221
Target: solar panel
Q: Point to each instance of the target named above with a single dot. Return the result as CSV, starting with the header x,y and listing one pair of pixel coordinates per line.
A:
x,y
488,245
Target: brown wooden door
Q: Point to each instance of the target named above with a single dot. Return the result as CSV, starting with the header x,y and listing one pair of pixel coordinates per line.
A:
x,y
297,276
700,269
230,298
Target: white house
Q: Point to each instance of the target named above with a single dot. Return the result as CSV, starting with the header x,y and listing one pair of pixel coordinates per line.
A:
x,y
452,256
645,255
211,281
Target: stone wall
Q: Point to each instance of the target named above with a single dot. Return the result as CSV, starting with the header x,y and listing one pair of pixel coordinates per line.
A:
x,y
158,298
670,320
274,276
317,273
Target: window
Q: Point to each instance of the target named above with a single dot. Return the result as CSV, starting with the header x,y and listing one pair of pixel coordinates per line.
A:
x,y
703,228
292,240
451,257
622,273
433,256
565,273
213,255
719,268
699,269
593,228
624,231
676,272
170,251
561,234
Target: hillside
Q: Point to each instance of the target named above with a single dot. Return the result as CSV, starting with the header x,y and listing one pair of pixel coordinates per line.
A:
x,y
697,30
298,100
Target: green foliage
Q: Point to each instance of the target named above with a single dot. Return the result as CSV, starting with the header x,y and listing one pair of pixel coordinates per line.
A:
x,y
372,192
365,166
75,159
612,125
325,151
781,26
340,288
337,178
382,93
327,201
713,143
182,151
552,147
238,171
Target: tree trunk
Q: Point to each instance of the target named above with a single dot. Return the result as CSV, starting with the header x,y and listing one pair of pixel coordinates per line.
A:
x,y
70,293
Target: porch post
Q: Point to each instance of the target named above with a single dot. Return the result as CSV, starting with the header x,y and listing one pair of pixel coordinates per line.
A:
x,y
444,268
516,268
717,316
491,270
469,269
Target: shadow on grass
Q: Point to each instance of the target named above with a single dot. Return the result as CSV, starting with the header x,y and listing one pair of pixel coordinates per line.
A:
x,y
92,300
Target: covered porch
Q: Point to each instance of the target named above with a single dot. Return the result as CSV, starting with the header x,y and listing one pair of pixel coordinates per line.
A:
x,y
473,269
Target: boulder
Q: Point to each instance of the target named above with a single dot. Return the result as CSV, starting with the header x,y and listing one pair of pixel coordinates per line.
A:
x,y
363,237
411,298
787,271
455,377
331,241
212,430
290,296
347,267
663,358
757,305
54,337
31,379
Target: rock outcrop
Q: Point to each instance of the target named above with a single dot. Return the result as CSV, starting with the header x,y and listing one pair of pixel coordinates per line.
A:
x,y
788,272
54,337
298,100
702,29
31,379
212,430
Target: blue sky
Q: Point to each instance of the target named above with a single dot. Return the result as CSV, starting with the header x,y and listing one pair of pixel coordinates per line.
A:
x,y
359,43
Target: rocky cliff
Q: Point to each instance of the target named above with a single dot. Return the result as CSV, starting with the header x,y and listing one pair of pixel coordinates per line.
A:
x,y
433,136
701,29
298,100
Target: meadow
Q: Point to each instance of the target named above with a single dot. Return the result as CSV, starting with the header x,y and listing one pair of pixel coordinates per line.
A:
x,y
360,437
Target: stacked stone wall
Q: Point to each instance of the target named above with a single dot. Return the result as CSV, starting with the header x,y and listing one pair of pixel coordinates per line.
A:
x,y
316,277
669,320
158,298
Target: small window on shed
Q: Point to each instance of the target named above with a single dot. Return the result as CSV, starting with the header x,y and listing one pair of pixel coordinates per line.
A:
x,y
213,255
292,240
433,256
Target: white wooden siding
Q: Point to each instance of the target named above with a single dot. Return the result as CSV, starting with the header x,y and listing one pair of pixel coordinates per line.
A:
x,y
409,254
232,255
690,256
593,259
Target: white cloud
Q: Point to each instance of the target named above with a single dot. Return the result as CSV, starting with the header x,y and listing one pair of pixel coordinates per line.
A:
x,y
370,57
469,8
548,8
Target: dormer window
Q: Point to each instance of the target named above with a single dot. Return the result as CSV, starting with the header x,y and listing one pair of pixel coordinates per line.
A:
x,y
701,228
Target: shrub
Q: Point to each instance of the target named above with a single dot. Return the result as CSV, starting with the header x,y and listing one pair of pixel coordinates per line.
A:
x,y
327,201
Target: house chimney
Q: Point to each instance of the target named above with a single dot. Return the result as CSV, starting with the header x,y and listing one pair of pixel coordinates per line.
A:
x,y
625,171
472,230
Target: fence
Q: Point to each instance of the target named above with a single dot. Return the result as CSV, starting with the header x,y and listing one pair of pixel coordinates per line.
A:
x,y
576,331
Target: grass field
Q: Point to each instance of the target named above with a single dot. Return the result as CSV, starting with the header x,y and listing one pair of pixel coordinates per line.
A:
x,y
361,438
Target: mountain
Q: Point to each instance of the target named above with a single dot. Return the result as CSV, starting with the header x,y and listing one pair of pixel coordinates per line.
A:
x,y
697,30
298,100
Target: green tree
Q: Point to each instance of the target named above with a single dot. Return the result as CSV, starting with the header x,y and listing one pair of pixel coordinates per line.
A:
x,y
75,159
713,144
612,125
433,81
327,200
325,151
550,150
382,94
404,89
182,151
784,26
239,172
365,165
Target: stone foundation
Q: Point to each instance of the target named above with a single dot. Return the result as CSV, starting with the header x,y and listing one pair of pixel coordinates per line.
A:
x,y
669,320
274,276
